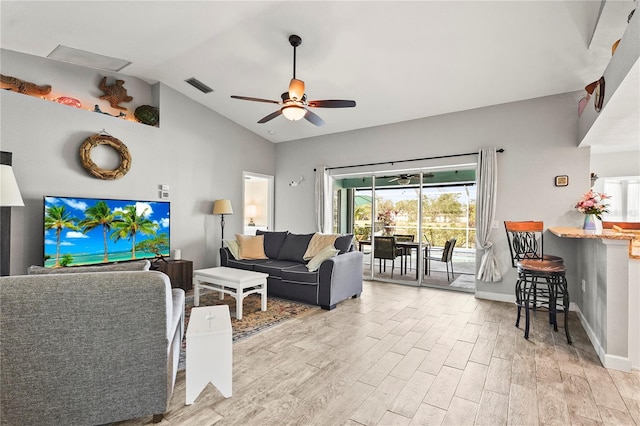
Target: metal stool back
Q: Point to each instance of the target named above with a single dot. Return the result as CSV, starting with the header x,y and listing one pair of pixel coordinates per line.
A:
x,y
526,241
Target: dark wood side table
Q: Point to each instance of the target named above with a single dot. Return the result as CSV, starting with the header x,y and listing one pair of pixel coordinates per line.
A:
x,y
180,272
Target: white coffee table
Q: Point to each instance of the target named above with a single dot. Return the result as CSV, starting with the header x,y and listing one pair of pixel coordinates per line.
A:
x,y
237,283
209,352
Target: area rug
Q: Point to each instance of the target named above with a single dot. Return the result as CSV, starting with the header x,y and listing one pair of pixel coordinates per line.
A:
x,y
253,319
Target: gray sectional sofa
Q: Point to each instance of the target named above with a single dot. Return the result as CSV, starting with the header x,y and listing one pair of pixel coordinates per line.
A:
x,y
88,345
337,278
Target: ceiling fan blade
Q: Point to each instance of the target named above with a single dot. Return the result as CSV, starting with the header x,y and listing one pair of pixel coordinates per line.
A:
x,y
393,179
270,116
246,98
332,103
296,89
314,118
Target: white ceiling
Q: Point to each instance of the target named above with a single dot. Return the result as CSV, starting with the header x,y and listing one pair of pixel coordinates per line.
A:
x,y
399,60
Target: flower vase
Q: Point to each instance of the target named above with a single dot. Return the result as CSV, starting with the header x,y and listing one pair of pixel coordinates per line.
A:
x,y
592,223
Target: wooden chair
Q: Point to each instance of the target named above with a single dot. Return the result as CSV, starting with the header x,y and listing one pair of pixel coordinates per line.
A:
x,y
385,249
446,257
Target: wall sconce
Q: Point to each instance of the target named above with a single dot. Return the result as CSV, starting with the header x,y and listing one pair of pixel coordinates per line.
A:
x,y
297,182
9,197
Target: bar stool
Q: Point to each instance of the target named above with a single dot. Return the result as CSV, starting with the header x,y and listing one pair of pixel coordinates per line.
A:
x,y
533,273
526,242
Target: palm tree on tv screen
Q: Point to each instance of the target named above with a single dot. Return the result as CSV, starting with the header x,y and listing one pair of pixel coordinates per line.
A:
x,y
132,223
57,217
99,215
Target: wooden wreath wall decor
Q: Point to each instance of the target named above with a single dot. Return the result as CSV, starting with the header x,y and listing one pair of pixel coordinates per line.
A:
x,y
102,139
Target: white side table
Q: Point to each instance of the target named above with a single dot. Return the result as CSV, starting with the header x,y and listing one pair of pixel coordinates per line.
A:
x,y
209,352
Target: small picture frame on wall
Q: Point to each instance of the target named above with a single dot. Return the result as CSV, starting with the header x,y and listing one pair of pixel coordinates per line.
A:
x,y
562,180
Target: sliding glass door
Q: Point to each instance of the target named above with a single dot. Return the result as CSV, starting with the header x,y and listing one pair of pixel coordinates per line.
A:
x,y
402,222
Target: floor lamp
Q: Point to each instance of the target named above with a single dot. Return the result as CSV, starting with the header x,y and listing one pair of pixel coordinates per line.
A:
x,y
9,197
222,207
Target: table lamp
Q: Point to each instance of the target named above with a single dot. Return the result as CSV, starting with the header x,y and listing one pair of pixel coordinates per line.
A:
x,y
252,211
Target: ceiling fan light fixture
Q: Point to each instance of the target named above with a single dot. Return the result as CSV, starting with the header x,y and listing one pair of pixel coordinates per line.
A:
x,y
296,89
404,181
293,112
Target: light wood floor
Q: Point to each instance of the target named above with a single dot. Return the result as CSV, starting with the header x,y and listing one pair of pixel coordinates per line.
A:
x,y
403,356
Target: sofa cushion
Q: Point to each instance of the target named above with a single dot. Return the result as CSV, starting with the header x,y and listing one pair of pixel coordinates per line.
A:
x,y
275,267
273,242
251,247
136,265
343,243
299,274
325,254
247,265
294,247
318,243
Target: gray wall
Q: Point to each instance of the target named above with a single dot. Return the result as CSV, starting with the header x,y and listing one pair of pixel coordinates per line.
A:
x,y
540,141
199,153
614,164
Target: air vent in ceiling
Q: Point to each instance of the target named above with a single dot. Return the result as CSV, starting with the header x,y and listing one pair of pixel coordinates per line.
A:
x,y
199,85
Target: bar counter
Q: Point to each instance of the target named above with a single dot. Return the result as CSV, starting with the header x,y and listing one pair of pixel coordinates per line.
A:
x,y
606,266
610,234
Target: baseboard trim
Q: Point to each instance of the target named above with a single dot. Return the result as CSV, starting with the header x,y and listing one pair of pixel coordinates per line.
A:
x,y
614,362
511,298
498,297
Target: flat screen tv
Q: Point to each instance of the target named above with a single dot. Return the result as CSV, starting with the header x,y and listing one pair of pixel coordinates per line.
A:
x,y
89,231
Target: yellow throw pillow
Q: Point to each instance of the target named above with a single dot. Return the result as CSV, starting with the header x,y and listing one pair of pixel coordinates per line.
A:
x,y
326,253
251,247
234,248
318,243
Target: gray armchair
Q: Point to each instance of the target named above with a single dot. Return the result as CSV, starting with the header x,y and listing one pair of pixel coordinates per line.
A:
x,y
88,348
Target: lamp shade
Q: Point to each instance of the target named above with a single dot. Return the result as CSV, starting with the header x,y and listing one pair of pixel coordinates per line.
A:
x,y
222,207
293,112
252,210
296,89
9,192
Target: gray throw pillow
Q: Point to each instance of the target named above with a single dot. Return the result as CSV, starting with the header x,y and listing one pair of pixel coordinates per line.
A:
x,y
137,265
343,243
273,242
294,247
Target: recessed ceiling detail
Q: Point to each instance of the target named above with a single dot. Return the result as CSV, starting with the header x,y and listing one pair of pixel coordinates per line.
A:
x,y
87,59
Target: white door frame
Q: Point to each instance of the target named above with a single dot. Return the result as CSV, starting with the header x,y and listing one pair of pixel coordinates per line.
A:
x,y
269,196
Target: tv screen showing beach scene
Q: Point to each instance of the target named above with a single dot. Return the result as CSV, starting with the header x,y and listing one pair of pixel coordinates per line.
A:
x,y
89,231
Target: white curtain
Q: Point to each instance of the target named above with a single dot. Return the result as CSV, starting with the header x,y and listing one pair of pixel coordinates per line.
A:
x,y
487,176
323,200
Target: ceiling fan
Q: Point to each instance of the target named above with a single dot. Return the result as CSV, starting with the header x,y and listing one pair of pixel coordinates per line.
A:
x,y
294,102
406,179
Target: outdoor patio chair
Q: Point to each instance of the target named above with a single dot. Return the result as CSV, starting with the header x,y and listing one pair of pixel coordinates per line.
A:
x,y
406,251
446,257
385,249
